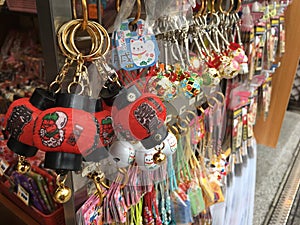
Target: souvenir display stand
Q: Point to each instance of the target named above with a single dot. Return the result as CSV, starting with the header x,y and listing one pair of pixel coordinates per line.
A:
x,y
267,132
150,113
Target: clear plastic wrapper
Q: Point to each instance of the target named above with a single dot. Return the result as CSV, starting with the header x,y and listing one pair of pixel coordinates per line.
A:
x,y
163,16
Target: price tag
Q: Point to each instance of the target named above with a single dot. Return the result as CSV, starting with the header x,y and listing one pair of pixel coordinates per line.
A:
x,y
239,134
23,194
3,166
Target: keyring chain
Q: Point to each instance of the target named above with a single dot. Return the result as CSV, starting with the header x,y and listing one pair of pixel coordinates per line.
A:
x,y
60,77
100,44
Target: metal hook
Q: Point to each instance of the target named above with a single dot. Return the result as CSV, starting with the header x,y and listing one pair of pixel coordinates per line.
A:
x,y
138,13
84,14
201,10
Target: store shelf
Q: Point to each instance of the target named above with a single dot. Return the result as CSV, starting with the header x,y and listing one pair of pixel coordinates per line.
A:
x,y
12,207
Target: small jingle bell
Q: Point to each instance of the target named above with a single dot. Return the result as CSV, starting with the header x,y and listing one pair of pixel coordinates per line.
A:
x,y
122,154
159,158
62,194
23,166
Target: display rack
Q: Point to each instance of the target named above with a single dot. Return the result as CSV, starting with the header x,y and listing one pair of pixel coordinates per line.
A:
x,y
52,13
267,132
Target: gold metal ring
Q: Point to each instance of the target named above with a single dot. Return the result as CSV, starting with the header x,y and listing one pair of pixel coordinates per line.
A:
x,y
126,178
61,179
212,10
201,109
95,34
53,84
64,35
200,11
238,6
178,124
60,43
72,27
106,37
84,14
118,5
138,13
212,106
74,83
218,93
74,9
174,130
229,10
192,113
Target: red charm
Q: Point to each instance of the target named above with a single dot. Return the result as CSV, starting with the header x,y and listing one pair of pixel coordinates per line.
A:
x,y
20,119
139,119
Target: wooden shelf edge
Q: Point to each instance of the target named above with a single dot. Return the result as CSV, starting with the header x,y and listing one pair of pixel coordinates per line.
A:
x,y
267,132
17,211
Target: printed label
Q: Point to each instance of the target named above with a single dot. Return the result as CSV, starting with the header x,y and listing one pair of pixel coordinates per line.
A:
x,y
3,166
23,194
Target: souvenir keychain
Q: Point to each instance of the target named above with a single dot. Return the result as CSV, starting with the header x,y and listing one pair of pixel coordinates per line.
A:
x,y
194,192
210,74
136,47
180,199
20,118
57,131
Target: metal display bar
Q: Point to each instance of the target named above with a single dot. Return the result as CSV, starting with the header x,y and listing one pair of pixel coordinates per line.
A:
x,y
51,14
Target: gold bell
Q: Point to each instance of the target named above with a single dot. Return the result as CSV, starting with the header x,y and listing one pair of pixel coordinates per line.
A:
x,y
62,193
23,166
159,157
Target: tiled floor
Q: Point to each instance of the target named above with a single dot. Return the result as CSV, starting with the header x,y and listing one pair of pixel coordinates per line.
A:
x,y
272,165
294,218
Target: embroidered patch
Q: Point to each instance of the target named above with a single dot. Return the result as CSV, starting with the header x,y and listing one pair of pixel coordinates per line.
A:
x,y
147,117
106,131
51,132
19,117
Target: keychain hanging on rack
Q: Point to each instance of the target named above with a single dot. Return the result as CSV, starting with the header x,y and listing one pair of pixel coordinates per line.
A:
x,y
68,130
135,46
19,123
